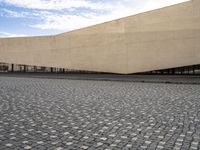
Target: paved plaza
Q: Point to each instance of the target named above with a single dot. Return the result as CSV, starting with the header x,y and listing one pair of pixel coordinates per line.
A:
x,y
60,114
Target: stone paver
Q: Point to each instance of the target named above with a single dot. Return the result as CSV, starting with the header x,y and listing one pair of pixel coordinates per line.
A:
x,y
58,114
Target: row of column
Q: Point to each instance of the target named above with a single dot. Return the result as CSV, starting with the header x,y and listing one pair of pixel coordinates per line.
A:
x,y
25,68
182,70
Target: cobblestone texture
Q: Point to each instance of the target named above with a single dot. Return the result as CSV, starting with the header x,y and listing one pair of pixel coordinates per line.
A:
x,y
97,115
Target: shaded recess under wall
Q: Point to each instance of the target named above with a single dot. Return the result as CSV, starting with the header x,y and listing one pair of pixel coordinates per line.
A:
x,y
4,67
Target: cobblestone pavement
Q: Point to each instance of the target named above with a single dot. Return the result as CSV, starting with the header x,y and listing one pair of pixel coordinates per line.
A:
x,y
97,115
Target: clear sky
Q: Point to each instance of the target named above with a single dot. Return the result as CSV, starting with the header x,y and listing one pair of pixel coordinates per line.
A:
x,y
45,17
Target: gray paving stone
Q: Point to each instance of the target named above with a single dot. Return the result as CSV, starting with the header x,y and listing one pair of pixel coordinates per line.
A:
x,y
68,114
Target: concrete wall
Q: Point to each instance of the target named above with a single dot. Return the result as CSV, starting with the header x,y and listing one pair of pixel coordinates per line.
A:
x,y
159,39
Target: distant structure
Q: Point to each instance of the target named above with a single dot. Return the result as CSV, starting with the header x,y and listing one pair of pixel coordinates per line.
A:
x,y
166,39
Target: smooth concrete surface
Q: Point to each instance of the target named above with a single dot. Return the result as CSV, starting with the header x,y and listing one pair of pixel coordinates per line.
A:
x,y
164,38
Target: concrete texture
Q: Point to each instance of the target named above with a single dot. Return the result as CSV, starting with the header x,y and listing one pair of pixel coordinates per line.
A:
x,y
46,114
159,39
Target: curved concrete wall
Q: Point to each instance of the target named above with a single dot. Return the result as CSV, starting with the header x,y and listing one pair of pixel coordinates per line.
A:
x,y
159,39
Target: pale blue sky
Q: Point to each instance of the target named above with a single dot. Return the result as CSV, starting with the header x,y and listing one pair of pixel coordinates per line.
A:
x,y
45,17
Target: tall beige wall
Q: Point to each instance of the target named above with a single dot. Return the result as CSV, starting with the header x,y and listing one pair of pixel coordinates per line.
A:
x,y
159,39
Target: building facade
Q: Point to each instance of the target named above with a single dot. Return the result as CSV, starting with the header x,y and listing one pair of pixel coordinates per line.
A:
x,y
162,39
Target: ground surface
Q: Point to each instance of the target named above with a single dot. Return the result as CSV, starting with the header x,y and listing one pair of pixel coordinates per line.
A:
x,y
68,114
178,79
